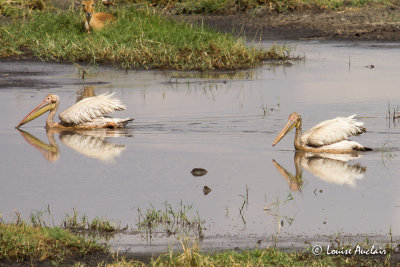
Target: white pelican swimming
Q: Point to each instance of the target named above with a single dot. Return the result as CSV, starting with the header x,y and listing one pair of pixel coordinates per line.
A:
x,y
86,114
329,136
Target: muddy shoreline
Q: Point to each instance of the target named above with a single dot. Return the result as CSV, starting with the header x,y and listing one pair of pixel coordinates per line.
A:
x,y
366,24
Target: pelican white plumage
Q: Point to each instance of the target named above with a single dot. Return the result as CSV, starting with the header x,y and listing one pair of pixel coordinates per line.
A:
x,y
86,114
329,136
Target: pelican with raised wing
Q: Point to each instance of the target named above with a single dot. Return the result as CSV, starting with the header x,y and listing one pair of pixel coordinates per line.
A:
x,y
86,114
329,136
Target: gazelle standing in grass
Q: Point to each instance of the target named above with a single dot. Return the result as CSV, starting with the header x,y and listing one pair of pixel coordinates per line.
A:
x,y
93,20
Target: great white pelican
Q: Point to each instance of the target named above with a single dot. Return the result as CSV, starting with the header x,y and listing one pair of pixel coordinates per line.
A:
x,y
330,136
86,114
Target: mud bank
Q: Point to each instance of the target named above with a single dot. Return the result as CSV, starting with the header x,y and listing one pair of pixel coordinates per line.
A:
x,y
356,24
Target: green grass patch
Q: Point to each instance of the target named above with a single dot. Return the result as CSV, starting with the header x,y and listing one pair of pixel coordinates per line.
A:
x,y
254,257
21,242
137,40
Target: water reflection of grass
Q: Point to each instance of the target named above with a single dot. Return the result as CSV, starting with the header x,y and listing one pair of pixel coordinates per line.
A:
x,y
273,209
245,202
392,113
387,154
213,76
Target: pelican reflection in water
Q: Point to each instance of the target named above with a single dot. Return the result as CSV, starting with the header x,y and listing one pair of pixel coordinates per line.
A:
x,y
329,136
332,168
50,151
92,144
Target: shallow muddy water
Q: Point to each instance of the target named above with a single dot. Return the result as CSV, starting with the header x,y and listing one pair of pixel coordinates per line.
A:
x,y
224,123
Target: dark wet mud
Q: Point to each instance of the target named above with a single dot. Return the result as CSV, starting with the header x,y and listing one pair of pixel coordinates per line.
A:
x,y
316,24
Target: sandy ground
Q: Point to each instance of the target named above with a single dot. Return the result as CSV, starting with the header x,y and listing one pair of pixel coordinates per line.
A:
x,y
354,24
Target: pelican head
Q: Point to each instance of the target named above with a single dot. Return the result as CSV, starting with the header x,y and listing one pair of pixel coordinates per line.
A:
x,y
49,103
294,121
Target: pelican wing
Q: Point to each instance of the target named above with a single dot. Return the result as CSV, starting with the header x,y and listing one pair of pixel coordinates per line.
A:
x,y
91,108
333,131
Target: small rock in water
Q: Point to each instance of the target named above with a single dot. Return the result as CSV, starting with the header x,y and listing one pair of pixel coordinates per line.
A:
x,y
198,172
206,190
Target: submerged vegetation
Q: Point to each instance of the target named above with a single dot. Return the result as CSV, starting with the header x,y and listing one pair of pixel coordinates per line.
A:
x,y
75,222
139,39
170,221
392,113
101,225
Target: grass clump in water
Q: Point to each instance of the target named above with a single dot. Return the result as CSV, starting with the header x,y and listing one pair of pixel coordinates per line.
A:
x,y
137,40
83,224
170,221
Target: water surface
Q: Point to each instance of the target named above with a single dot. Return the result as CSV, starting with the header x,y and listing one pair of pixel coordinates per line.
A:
x,y
225,124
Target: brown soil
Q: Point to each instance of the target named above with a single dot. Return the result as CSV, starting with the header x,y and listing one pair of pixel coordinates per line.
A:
x,y
368,23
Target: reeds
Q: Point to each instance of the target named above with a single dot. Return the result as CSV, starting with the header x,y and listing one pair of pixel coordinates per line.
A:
x,y
170,221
